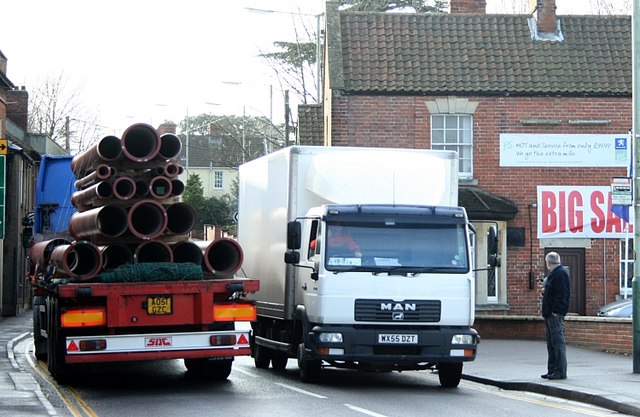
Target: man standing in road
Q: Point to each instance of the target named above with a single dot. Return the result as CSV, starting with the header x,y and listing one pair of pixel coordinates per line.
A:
x,y
555,305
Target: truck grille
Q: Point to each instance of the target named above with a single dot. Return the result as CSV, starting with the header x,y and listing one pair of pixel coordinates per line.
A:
x,y
407,311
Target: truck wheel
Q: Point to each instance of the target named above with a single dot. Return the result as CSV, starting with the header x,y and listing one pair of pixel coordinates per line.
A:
x,y
261,356
449,374
279,360
39,341
309,368
55,346
217,370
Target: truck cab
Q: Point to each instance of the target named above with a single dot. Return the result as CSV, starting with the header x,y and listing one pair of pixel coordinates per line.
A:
x,y
379,281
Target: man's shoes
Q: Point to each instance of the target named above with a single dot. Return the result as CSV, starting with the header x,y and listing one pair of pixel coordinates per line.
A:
x,y
545,376
555,376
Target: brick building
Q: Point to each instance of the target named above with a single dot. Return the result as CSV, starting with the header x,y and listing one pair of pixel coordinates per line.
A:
x,y
538,107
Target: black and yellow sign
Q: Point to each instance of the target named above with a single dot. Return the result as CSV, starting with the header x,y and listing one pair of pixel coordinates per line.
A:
x,y
4,146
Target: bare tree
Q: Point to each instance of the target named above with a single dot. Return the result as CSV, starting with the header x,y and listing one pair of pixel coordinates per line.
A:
x,y
294,62
57,110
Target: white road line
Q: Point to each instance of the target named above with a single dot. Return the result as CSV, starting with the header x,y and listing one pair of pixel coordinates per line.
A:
x,y
364,411
301,391
244,371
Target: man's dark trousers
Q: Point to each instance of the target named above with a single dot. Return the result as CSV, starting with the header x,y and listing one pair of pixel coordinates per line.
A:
x,y
557,362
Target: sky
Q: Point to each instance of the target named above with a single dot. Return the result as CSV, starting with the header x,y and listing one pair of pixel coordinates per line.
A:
x,y
145,61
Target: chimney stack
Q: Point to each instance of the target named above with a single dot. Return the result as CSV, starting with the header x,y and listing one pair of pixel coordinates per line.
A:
x,y
546,16
167,127
18,106
468,6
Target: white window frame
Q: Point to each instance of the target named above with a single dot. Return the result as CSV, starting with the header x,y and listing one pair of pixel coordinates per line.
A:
x,y
454,135
627,261
218,180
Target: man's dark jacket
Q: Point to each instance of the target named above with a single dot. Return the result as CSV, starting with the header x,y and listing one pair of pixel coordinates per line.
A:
x,y
557,290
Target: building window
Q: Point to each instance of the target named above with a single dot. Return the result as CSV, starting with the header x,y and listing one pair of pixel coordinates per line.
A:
x,y
626,266
217,180
453,132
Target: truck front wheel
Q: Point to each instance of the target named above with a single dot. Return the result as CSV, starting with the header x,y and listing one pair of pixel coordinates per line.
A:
x,y
450,374
309,368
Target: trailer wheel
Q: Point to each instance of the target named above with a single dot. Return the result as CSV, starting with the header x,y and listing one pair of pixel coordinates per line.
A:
x,y
39,341
279,360
449,374
55,345
217,370
261,356
309,368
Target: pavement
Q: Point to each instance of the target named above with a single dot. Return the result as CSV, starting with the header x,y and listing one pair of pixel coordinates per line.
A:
x,y
598,378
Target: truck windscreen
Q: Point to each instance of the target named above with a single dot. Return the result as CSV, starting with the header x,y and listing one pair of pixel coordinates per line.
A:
x,y
397,248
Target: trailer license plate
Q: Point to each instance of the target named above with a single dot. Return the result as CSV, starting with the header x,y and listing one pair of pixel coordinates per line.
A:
x,y
159,304
409,339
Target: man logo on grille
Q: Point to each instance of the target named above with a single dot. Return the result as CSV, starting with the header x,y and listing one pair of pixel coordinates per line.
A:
x,y
398,316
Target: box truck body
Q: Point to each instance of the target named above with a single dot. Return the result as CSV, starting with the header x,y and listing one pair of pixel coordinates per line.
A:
x,y
396,294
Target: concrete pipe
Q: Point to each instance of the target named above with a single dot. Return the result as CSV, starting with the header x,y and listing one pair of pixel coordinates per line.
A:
x,y
177,187
160,187
114,255
108,149
40,253
108,221
147,219
79,260
222,256
83,198
152,251
187,251
181,218
172,170
170,146
102,172
140,142
124,188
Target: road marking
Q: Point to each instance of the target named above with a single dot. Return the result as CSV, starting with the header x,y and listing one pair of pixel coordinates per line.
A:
x,y
544,401
39,368
83,404
301,391
364,411
244,371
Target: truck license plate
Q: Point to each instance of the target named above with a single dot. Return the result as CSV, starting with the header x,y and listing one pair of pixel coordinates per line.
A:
x,y
410,339
159,304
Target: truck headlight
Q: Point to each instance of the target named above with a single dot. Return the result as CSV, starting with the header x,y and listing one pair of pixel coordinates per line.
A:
x,y
330,337
462,339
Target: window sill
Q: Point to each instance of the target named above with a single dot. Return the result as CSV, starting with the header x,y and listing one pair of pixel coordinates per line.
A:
x,y
492,307
468,181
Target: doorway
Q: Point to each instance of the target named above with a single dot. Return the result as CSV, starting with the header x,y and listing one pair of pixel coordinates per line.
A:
x,y
573,260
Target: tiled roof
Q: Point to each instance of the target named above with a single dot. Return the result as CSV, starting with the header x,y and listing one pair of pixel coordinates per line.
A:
x,y
311,125
481,205
483,54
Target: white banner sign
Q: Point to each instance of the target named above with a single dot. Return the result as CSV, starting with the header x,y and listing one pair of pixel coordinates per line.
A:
x,y
579,212
537,150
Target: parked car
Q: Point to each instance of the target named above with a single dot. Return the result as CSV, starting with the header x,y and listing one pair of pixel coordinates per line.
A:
x,y
620,308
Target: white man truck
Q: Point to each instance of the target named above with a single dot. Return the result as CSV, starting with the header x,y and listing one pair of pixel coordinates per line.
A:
x,y
363,257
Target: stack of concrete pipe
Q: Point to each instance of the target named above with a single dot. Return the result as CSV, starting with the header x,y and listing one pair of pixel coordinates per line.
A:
x,y
129,211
